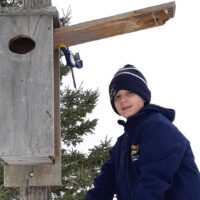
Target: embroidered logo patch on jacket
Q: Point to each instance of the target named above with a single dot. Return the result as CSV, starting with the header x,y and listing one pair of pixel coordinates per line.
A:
x,y
134,152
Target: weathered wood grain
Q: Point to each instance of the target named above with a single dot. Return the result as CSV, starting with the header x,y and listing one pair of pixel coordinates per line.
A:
x,y
114,25
46,174
30,101
35,193
26,91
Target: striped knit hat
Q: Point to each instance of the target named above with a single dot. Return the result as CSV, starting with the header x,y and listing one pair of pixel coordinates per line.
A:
x,y
131,79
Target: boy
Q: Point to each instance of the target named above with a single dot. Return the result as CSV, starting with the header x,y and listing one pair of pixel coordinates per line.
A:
x,y
152,160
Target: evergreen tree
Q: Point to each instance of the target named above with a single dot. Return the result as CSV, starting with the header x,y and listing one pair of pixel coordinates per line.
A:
x,y
78,169
10,3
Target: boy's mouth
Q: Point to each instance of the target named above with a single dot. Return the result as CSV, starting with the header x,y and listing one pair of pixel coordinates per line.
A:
x,y
126,107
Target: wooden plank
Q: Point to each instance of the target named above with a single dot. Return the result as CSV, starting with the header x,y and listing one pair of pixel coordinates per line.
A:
x,y
46,174
26,90
114,25
24,160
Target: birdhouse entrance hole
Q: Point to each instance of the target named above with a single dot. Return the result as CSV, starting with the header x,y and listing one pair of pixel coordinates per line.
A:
x,y
21,44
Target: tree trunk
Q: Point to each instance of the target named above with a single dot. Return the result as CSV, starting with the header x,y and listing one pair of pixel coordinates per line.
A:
x,y
35,193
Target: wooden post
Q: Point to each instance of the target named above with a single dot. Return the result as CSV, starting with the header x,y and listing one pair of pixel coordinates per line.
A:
x,y
39,193
35,193
32,193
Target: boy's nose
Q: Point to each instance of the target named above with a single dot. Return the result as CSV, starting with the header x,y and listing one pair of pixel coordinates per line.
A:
x,y
123,99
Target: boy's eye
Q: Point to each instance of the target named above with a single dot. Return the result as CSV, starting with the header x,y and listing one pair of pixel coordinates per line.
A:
x,y
129,93
117,97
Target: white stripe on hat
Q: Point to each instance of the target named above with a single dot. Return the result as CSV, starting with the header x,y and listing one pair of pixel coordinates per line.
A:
x,y
117,74
125,68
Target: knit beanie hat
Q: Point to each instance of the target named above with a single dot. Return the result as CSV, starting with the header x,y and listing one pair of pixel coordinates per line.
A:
x,y
131,79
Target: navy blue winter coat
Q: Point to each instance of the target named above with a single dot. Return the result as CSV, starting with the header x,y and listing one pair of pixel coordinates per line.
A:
x,y
152,160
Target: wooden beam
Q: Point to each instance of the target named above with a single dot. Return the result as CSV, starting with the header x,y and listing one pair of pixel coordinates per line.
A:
x,y
115,25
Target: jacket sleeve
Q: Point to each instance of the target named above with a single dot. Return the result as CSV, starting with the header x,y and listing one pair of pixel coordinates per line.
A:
x,y
104,184
161,149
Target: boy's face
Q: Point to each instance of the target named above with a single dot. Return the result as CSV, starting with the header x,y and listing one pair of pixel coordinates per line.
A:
x,y
128,103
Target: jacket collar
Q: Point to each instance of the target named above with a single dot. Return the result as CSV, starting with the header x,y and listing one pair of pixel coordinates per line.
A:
x,y
144,112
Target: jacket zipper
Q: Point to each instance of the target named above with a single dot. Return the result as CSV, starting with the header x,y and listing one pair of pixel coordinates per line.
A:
x,y
122,161
123,153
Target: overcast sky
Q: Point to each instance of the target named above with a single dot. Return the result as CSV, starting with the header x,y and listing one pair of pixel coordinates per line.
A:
x,y
168,56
